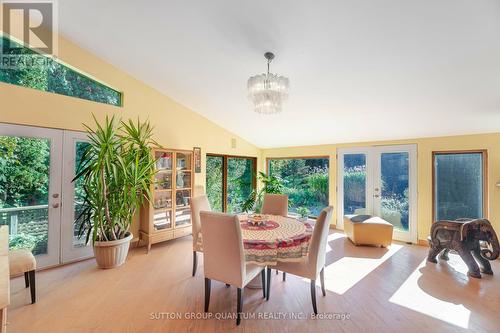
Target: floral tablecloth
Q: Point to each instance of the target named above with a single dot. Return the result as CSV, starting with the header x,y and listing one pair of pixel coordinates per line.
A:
x,y
280,239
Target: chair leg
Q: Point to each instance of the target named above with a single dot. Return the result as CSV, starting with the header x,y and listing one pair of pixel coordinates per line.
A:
x,y
195,262
263,276
284,276
239,307
32,286
322,279
313,295
207,293
268,284
26,280
277,272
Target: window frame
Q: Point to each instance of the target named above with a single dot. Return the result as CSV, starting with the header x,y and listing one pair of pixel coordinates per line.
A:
x,y
224,174
70,67
327,157
484,155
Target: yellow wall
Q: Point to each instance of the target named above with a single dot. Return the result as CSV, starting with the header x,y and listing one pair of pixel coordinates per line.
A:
x,y
425,147
175,125
179,127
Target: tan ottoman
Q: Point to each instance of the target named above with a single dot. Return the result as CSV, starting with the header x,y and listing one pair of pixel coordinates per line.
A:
x,y
23,262
368,230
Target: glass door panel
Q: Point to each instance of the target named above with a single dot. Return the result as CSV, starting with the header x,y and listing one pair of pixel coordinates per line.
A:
x,y
240,174
214,182
182,217
162,220
73,246
380,181
354,184
394,194
182,208
30,168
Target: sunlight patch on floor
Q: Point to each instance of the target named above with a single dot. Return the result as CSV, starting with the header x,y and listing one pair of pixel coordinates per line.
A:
x,y
344,273
331,238
410,295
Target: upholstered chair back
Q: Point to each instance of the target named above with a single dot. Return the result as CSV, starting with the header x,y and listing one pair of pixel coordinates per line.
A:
x,y
275,204
198,190
317,247
198,204
223,248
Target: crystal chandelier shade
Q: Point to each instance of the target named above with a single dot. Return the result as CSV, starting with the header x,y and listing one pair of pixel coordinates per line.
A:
x,y
268,91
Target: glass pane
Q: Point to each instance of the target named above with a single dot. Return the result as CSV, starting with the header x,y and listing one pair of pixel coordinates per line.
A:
x,y
240,175
395,189
183,161
80,148
458,186
42,73
24,187
162,220
354,184
182,217
214,182
163,161
183,213
305,181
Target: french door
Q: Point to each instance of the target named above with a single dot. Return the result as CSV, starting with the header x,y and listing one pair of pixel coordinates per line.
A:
x,y
38,200
380,181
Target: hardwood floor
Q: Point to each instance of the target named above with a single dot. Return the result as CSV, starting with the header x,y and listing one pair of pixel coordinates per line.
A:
x,y
381,290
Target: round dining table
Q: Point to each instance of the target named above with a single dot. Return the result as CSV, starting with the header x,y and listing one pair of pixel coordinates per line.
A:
x,y
279,238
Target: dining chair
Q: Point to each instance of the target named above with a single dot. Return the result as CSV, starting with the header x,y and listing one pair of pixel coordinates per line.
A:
x,y
275,204
198,204
314,263
224,259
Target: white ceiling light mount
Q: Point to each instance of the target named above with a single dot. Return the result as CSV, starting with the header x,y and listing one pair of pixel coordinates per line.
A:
x,y
268,91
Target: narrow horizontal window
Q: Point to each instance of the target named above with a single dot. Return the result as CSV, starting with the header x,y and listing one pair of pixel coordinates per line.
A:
x,y
24,67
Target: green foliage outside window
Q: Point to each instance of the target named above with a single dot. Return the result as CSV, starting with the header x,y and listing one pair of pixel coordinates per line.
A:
x,y
214,182
305,181
24,165
36,71
24,181
240,175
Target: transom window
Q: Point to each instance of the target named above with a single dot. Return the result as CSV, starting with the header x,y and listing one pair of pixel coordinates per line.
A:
x,y
29,69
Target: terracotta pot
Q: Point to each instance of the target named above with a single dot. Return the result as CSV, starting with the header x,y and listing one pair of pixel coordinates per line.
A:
x,y
113,253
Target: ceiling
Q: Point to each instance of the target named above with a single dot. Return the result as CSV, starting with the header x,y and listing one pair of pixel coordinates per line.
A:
x,y
360,70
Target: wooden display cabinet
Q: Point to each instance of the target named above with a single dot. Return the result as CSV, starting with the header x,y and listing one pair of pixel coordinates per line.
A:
x,y
168,215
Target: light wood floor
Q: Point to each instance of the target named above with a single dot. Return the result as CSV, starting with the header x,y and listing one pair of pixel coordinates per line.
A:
x,y
381,290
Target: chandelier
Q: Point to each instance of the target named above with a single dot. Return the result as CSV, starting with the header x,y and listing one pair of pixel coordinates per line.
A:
x,y
267,91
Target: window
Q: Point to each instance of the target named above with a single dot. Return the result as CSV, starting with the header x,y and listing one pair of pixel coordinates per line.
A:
x,y
229,181
48,75
305,181
459,183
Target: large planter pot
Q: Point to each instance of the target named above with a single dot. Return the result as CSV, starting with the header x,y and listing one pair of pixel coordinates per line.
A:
x,y
113,253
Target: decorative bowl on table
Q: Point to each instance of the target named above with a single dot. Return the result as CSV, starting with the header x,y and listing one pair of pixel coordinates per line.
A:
x,y
257,220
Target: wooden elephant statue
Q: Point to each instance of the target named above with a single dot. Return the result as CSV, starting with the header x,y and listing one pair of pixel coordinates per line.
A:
x,y
473,239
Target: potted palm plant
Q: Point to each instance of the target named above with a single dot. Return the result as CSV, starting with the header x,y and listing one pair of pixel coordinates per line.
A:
x,y
116,171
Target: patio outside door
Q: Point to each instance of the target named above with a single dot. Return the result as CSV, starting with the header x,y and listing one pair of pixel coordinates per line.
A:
x,y
37,198
380,181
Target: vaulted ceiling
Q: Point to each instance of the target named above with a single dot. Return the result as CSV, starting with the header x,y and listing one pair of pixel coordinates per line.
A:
x,y
359,69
